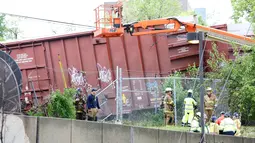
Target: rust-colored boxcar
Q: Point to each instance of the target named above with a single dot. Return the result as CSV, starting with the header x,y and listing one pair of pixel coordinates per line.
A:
x,y
138,56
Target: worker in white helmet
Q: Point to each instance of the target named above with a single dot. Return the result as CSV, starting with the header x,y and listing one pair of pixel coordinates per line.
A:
x,y
196,124
169,107
209,102
189,107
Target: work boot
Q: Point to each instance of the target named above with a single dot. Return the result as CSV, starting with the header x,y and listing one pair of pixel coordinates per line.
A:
x,y
90,118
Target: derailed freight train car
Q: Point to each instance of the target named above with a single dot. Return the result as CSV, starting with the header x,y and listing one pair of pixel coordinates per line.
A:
x,y
97,59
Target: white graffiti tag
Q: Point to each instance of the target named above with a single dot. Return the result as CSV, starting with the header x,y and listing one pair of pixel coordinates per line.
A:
x,y
104,74
77,77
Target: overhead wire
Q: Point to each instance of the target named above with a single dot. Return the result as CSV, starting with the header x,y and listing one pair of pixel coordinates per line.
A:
x,y
48,20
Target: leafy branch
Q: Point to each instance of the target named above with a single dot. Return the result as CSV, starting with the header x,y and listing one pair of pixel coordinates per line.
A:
x,y
59,105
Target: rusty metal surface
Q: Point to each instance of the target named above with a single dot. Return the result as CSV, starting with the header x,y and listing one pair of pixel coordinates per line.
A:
x,y
138,56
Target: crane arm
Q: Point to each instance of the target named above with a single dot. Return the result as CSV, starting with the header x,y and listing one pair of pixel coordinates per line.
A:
x,y
150,24
212,33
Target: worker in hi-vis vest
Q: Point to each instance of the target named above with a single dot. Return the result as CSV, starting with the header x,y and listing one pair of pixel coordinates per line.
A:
x,y
189,107
228,126
195,125
238,124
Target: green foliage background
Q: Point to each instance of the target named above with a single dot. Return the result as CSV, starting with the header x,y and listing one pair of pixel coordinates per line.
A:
x,y
137,10
3,27
244,9
240,77
60,105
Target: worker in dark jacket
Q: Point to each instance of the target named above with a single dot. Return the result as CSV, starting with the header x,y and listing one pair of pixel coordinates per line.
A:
x,y
92,106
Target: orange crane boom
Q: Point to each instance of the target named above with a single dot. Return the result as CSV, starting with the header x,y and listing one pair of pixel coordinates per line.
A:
x,y
212,33
113,27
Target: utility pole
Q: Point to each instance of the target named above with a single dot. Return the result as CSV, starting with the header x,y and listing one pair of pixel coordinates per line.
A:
x,y
201,77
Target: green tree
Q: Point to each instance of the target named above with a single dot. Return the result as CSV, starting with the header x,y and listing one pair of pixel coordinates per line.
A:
x,y
9,27
240,78
201,21
3,27
137,10
12,31
244,9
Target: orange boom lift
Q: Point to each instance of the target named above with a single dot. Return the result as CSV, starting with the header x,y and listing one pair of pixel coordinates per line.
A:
x,y
110,25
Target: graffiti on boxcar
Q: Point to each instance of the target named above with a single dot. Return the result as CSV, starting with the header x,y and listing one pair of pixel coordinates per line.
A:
x,y
78,78
104,74
152,86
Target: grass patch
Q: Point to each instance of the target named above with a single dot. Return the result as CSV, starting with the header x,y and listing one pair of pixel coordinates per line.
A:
x,y
248,131
151,120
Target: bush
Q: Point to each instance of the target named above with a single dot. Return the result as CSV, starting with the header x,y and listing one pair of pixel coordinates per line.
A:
x,y
60,105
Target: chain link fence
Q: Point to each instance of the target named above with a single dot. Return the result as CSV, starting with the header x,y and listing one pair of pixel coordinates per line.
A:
x,y
138,100
142,97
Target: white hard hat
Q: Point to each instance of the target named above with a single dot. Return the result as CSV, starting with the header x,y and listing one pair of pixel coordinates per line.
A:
x,y
209,89
190,91
198,114
168,89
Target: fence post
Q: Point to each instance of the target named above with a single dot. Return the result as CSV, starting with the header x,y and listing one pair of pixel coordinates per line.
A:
x,y
156,100
117,94
175,110
120,95
156,92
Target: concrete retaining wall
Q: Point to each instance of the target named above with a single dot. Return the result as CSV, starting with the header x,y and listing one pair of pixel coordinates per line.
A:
x,y
52,130
30,124
145,135
113,133
86,131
